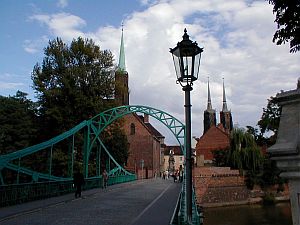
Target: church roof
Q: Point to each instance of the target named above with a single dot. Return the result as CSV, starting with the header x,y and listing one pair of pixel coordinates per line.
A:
x,y
149,126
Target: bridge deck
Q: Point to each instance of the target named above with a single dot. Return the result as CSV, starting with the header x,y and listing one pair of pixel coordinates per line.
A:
x,y
135,203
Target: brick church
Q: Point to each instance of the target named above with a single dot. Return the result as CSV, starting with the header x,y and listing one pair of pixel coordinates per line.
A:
x,y
146,144
215,136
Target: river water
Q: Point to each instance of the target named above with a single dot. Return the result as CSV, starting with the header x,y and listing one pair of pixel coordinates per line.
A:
x,y
279,214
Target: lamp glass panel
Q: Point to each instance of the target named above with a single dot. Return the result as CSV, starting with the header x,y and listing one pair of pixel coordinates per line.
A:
x,y
197,65
189,66
176,61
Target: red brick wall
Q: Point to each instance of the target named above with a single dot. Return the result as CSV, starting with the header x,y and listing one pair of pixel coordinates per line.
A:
x,y
142,145
213,139
219,184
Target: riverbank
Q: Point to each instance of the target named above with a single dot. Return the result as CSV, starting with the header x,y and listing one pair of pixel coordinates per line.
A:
x,y
222,186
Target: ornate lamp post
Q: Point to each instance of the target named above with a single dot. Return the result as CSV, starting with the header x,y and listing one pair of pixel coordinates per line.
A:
x,y
186,58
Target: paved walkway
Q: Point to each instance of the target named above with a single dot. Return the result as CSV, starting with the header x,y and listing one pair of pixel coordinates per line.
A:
x,y
140,202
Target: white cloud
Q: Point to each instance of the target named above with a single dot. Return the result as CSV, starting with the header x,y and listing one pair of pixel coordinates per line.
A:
x,y
63,25
62,3
237,40
35,46
10,85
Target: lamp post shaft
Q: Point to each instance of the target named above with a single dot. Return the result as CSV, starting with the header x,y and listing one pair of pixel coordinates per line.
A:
x,y
188,161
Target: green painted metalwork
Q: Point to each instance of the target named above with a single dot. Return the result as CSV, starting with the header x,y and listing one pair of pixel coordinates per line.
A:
x,y
98,123
180,217
92,129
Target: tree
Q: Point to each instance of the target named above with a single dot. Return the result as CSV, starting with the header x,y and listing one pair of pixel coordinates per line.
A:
x,y
17,123
220,157
73,83
270,120
288,23
243,154
271,175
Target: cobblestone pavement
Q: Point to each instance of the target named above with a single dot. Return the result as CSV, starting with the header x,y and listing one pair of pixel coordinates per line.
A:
x,y
124,204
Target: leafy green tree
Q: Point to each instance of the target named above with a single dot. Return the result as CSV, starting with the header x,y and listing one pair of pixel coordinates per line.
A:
x,y
73,83
220,157
257,134
270,174
244,154
288,23
17,122
270,120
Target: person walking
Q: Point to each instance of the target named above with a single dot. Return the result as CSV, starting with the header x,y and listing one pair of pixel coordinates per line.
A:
x,y
78,181
105,178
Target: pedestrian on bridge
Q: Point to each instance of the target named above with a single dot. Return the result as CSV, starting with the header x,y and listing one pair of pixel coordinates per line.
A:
x,y
78,181
104,178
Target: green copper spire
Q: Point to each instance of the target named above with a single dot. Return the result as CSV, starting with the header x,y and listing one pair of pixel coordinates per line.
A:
x,y
121,65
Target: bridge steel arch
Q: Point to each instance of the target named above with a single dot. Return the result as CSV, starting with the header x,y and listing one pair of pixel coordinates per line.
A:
x,y
92,129
98,123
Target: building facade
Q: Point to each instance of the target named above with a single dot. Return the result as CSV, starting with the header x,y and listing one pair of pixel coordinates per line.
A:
x,y
144,146
173,158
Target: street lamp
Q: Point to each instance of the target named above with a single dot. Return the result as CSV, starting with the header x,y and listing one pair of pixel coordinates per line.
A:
x,y
186,58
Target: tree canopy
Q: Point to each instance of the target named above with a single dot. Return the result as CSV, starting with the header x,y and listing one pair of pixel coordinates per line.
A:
x,y
244,154
17,122
73,83
270,119
288,23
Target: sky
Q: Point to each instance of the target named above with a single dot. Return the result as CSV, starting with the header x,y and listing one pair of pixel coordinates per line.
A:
x,y
236,36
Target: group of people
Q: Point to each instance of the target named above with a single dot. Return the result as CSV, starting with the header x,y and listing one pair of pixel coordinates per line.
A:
x,y
79,182
177,175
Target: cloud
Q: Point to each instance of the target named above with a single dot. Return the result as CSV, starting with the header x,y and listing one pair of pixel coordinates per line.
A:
x,y
64,25
35,46
237,40
62,3
10,85
238,47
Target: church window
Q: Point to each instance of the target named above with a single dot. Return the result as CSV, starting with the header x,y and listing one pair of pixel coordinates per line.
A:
x,y
132,129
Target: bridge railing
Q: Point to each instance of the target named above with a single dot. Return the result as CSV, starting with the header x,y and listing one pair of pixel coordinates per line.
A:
x,y
179,217
20,193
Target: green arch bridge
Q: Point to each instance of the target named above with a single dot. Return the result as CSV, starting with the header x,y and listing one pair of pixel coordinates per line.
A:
x,y
21,181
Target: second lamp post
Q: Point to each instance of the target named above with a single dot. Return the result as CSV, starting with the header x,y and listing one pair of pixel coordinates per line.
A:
x,y
186,58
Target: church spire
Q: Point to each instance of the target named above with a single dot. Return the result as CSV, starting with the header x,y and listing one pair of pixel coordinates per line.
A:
x,y
224,109
209,119
209,106
225,114
121,65
121,78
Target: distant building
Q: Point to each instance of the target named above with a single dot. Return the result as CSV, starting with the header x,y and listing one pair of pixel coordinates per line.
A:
x,y
215,137
173,158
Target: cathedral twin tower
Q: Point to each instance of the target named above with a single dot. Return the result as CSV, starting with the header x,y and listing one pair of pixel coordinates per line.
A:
x,y
210,114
